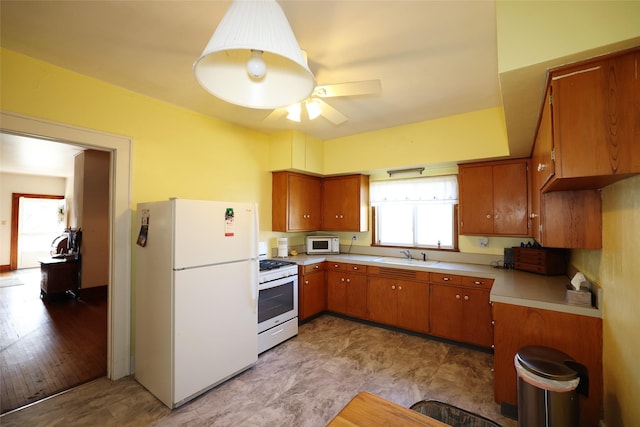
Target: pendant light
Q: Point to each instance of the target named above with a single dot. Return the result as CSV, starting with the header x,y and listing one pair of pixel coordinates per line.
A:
x,y
253,58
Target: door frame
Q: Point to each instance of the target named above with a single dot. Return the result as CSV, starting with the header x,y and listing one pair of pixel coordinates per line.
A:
x,y
119,307
15,226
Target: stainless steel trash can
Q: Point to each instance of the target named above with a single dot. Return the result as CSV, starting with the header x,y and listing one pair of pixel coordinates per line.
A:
x,y
547,382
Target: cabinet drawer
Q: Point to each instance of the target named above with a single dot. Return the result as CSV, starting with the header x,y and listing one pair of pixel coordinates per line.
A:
x,y
310,268
341,266
477,282
543,261
446,278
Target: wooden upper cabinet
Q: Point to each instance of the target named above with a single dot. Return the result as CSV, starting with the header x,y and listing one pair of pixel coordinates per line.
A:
x,y
345,203
296,202
494,198
596,122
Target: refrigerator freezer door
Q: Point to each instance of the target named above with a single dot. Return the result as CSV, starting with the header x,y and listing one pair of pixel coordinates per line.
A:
x,y
204,234
216,326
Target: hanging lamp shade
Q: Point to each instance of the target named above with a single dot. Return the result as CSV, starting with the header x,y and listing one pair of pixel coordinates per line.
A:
x,y
253,58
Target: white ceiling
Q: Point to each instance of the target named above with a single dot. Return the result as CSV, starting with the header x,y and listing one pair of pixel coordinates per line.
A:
x,y
434,58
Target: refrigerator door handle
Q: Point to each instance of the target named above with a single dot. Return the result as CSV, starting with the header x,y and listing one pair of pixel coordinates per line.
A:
x,y
254,285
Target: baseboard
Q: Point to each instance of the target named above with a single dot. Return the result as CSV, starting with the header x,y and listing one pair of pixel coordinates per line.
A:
x,y
508,410
5,268
96,292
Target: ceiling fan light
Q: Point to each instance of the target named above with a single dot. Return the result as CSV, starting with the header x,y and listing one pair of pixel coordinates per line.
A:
x,y
223,69
294,111
313,109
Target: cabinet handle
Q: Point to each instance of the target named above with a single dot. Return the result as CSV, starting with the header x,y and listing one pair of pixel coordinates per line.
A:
x,y
316,267
466,297
336,266
348,280
478,282
533,215
399,288
355,267
342,279
457,296
493,322
306,282
541,167
446,279
393,286
488,216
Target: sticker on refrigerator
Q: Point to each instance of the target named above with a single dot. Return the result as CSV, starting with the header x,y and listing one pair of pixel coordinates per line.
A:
x,y
229,226
144,228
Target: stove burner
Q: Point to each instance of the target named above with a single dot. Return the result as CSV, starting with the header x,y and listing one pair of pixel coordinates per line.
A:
x,y
272,264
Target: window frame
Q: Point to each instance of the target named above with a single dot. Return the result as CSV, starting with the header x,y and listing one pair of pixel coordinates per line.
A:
x,y
455,238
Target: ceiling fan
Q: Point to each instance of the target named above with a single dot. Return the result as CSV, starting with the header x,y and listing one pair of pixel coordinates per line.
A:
x,y
315,106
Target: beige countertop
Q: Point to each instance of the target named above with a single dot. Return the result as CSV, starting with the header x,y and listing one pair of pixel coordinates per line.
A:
x,y
509,286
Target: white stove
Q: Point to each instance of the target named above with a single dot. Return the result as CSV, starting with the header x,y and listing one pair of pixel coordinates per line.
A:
x,y
277,302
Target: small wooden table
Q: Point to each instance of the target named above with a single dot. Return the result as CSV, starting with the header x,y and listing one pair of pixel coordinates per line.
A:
x,y
367,409
58,275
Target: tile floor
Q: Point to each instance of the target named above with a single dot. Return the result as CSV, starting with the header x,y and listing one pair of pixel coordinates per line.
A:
x,y
303,382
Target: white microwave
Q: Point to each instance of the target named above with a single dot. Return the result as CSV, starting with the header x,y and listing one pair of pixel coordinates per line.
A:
x,y
323,245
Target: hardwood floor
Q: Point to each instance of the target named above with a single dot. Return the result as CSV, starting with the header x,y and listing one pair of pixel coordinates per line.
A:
x,y
46,348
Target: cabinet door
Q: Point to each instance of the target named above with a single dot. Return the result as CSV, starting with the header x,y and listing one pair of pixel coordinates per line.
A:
x,y
542,167
578,336
356,294
345,203
332,205
382,300
313,299
510,201
476,200
445,317
476,317
304,203
336,292
412,306
593,118
571,219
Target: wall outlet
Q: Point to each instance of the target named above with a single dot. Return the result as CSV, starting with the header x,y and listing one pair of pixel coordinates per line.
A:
x,y
483,242
354,237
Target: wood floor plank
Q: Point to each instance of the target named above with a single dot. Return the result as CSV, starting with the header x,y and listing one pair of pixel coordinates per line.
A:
x,y
47,347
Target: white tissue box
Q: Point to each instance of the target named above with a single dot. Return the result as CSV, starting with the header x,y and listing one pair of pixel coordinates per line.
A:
x,y
581,297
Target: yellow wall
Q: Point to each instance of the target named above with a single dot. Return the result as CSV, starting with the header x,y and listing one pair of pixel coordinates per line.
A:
x,y
617,269
532,32
476,135
176,152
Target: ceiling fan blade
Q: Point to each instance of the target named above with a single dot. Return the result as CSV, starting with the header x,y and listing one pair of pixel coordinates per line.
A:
x,y
364,87
331,114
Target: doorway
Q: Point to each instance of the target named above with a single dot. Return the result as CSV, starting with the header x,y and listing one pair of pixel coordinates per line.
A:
x,y
119,307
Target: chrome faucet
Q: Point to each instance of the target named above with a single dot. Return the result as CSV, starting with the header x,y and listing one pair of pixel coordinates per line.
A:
x,y
407,253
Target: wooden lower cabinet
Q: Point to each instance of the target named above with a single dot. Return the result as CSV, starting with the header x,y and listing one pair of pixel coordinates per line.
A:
x,y
460,310
578,336
312,286
398,302
461,314
347,290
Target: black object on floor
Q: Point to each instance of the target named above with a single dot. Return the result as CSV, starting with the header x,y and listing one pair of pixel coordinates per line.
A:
x,y
451,415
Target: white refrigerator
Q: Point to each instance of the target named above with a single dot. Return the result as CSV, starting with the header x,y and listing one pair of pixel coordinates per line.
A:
x,y
196,278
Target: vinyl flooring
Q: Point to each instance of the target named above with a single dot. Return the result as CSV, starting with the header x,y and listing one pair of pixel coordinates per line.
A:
x,y
47,347
305,381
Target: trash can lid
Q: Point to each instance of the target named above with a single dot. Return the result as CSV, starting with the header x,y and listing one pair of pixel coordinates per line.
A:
x,y
546,362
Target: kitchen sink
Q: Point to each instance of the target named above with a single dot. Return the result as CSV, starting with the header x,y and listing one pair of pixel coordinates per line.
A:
x,y
407,261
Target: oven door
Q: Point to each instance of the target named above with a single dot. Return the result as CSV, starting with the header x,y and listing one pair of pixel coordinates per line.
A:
x,y
277,302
